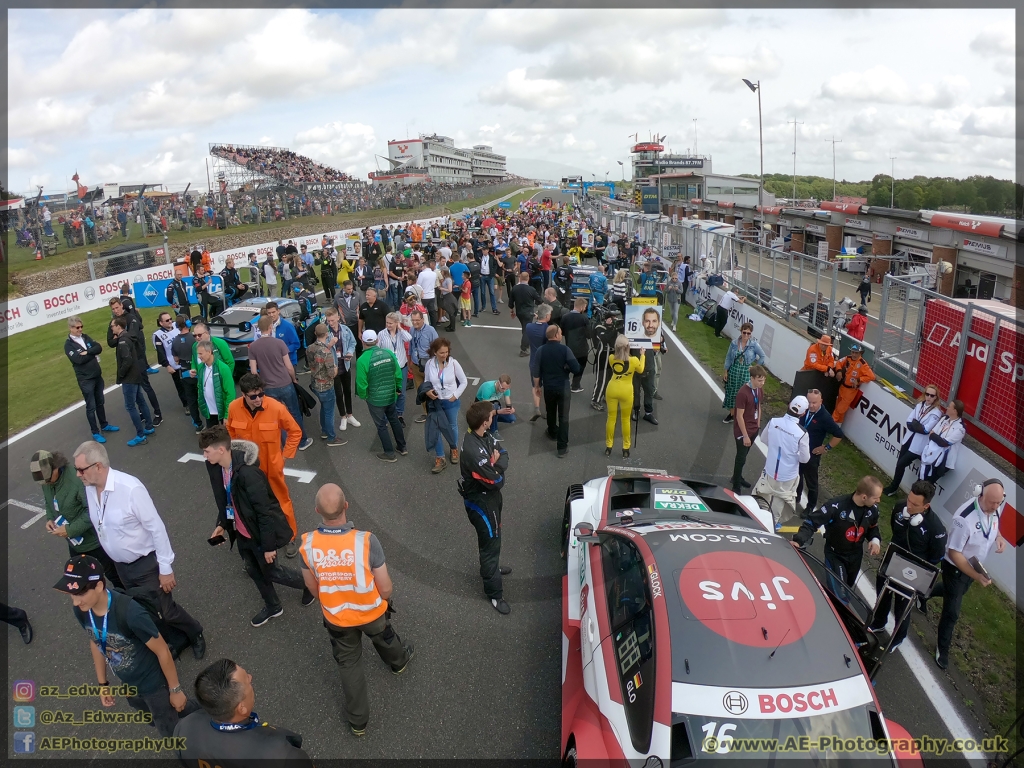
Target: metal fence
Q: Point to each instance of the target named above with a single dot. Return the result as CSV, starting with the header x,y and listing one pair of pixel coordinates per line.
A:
x,y
783,284
127,258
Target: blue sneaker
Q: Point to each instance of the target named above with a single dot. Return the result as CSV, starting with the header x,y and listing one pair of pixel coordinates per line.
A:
x,y
778,527
99,438
149,431
111,428
153,369
137,441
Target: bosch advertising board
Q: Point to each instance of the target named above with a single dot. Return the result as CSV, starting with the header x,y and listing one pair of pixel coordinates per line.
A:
x,y
941,341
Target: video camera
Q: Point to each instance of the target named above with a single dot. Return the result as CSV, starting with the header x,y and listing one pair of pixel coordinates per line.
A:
x,y
602,312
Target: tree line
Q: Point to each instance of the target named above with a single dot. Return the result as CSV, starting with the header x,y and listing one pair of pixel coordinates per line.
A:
x,y
983,195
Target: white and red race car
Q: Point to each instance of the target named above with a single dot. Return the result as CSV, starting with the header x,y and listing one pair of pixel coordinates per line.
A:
x,y
692,633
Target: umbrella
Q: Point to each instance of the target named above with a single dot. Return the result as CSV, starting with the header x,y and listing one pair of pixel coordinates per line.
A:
x,y
488,222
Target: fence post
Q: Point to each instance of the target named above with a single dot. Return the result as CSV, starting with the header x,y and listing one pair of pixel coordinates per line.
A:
x,y
167,251
92,268
961,352
881,319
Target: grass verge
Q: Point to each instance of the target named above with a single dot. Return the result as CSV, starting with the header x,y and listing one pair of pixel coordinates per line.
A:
x,y
41,382
23,259
985,644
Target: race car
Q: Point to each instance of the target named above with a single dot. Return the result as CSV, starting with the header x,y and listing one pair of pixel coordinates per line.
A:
x,y
237,324
692,633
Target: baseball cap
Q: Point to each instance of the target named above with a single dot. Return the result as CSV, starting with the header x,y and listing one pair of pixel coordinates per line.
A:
x,y
798,405
409,290
370,336
42,465
856,348
81,573
297,288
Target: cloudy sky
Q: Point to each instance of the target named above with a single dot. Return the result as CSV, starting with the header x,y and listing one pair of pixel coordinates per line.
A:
x,y
137,96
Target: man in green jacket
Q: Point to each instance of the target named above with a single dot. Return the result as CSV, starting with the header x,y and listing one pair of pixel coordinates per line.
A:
x,y
215,383
221,349
67,511
378,382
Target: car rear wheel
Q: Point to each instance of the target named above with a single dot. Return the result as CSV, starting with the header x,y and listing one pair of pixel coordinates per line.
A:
x,y
574,492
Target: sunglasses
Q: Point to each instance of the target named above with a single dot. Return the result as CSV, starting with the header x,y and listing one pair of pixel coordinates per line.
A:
x,y
76,327
85,469
198,335
745,333
931,394
253,395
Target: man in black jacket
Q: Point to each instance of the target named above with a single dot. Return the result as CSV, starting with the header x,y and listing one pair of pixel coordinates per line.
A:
x,y
235,288
228,733
554,364
475,279
84,354
251,515
133,326
177,296
523,301
483,463
129,376
574,328
917,529
849,521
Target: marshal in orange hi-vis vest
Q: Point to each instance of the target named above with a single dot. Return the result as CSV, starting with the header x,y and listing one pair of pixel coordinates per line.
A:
x,y
341,564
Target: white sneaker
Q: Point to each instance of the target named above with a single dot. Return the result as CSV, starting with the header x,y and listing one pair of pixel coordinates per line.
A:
x,y
352,420
344,424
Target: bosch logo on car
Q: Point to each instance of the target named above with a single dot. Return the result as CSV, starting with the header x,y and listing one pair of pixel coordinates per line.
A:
x,y
798,702
60,301
735,703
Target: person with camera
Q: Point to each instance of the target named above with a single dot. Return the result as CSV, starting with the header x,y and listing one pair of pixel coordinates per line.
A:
x,y
917,529
227,732
972,537
483,463
350,614
250,515
606,329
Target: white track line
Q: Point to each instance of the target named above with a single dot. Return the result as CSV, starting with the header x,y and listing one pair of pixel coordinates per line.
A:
x,y
498,327
303,475
919,666
40,512
51,419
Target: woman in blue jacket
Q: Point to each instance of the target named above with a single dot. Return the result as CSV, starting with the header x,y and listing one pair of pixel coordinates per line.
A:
x,y
743,353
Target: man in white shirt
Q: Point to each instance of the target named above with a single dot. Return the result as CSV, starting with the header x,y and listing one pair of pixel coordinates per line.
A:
x,y
725,305
445,252
788,448
973,534
427,280
131,532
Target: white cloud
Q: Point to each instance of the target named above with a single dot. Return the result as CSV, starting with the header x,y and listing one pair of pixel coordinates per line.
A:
x,y
727,71
526,93
18,157
45,116
999,122
996,41
346,146
882,84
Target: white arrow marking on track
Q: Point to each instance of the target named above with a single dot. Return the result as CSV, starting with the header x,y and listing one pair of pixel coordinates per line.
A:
x,y
40,512
303,475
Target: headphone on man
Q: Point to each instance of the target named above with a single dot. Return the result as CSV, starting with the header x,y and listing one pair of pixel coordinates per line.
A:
x,y
980,489
915,520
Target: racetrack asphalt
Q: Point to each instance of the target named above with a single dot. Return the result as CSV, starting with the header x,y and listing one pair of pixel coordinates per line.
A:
x,y
482,685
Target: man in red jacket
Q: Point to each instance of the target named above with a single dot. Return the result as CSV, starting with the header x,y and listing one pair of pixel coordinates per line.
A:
x,y
858,324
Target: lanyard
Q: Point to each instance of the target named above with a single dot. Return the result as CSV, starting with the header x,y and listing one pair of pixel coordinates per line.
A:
x,y
986,530
103,511
808,419
229,507
101,641
252,722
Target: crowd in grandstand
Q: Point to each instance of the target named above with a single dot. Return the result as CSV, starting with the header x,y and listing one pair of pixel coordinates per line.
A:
x,y
281,164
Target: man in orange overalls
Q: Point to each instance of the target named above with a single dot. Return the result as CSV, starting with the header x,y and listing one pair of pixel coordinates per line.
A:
x,y
852,371
819,357
260,420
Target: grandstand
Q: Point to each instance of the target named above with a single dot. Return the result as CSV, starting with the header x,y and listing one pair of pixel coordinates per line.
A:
x,y
257,167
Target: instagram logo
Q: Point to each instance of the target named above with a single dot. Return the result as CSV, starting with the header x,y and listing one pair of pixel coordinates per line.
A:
x,y
24,690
